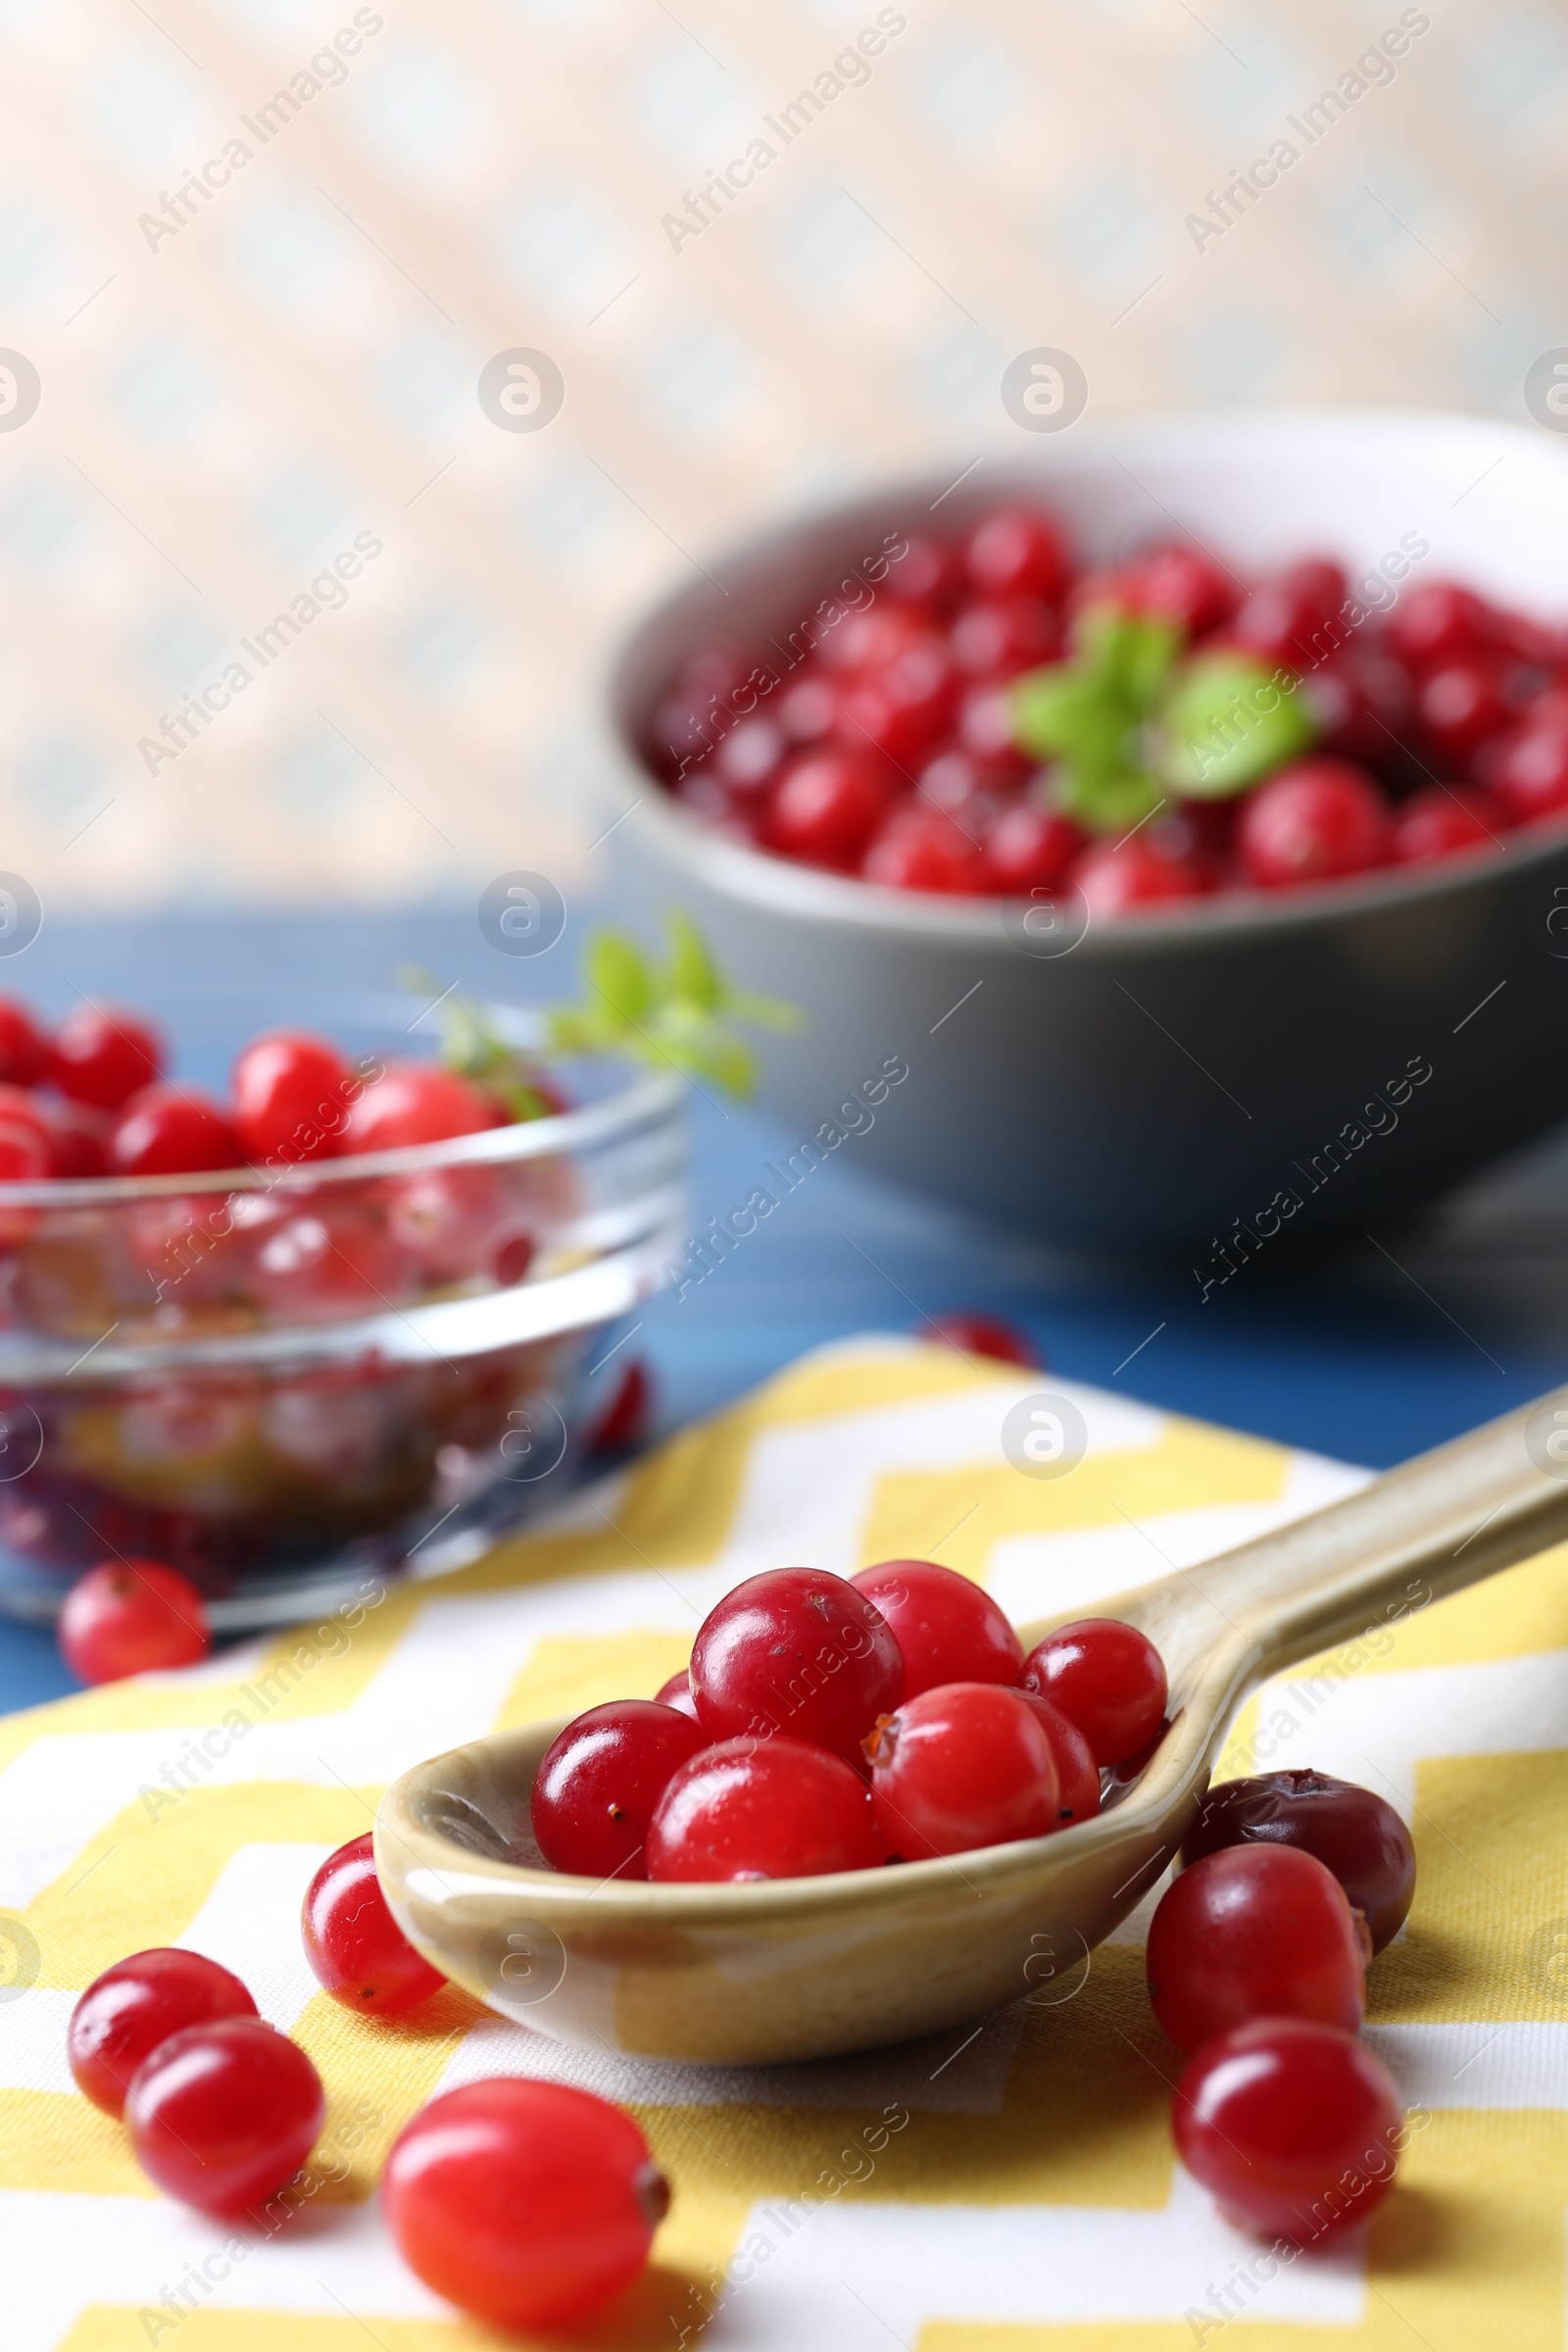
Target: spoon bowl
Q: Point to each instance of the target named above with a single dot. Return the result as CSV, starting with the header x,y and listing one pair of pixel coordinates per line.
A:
x,y
803,1968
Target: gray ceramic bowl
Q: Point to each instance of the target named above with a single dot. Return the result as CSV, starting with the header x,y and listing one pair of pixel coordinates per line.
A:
x,y
1242,1065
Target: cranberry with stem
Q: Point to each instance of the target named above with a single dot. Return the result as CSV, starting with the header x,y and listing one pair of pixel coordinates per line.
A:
x,y
600,1780
948,1628
796,1651
964,1765
1105,1676
1292,2127
221,2115
1354,1831
774,1808
134,2006
356,1948
527,2203
1252,1932
132,1617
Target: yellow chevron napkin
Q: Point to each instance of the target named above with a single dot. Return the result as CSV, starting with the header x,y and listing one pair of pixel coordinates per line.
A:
x,y
1004,2187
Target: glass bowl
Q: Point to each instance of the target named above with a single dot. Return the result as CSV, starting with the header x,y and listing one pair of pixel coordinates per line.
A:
x,y
283,1380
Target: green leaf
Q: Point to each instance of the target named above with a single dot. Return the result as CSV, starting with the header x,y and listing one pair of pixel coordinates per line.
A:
x,y
619,973
1089,717
1228,720
693,973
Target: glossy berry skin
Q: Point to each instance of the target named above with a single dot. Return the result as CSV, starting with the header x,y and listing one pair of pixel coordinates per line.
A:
x,y
133,2007
24,1046
1530,772
948,1628
288,1093
1180,584
1016,551
1077,1773
678,1694
1284,620
600,1780
172,1131
1437,621
132,1617
1445,821
1293,2129
355,1946
414,1102
102,1056
1105,1676
826,806
799,1651
1030,849
1314,821
525,2203
964,1765
1461,704
1352,1832
775,1809
222,2115
1252,1931
984,1335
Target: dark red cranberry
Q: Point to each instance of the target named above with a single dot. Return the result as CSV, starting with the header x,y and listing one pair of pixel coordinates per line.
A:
x,y
747,1810
998,637
1121,878
1293,618
796,1651
984,727
102,1056
1436,621
600,1780
1352,1831
172,1131
23,1045
1253,1932
826,806
1105,1676
1530,773
1364,710
750,756
1030,848
948,1628
1312,821
929,571
902,709
1444,820
1016,551
1460,705
1077,1773
989,1335
139,2002
1179,584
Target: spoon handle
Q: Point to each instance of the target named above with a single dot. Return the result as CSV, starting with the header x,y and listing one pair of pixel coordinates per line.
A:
x,y
1445,1520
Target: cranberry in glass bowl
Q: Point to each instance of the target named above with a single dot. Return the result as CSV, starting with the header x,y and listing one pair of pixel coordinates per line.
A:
x,y
282,1379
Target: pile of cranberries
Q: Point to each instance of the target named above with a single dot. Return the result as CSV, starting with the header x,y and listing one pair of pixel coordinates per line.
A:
x,y
525,2203
1256,1961
92,1099
884,737
827,1724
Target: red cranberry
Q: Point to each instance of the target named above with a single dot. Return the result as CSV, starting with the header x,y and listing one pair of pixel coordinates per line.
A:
x,y
808,709
1530,776
1446,819
221,2115
102,1055
924,848
414,1102
132,1617
340,1260
24,1046
983,1334
528,2204
1294,2128
948,1628
1352,1832
678,1694
1437,621
172,1131
826,806
133,2007
1029,849
596,1789
1016,551
1312,821
997,637
78,1136
1077,1773
1461,704
27,1149
1293,619
750,756
927,572
875,639
624,1420
355,1946
900,711
964,1765
796,1651
984,727
1179,584
1119,878
289,1095
1105,1676
1254,1931
763,1810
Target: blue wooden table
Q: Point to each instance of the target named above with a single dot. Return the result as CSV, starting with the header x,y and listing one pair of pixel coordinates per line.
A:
x,y
1370,1352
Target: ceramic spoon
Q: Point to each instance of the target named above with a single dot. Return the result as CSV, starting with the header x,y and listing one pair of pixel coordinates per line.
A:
x,y
804,1967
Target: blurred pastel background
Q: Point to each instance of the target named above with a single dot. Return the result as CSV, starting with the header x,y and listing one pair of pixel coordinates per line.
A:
x,y
225,405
